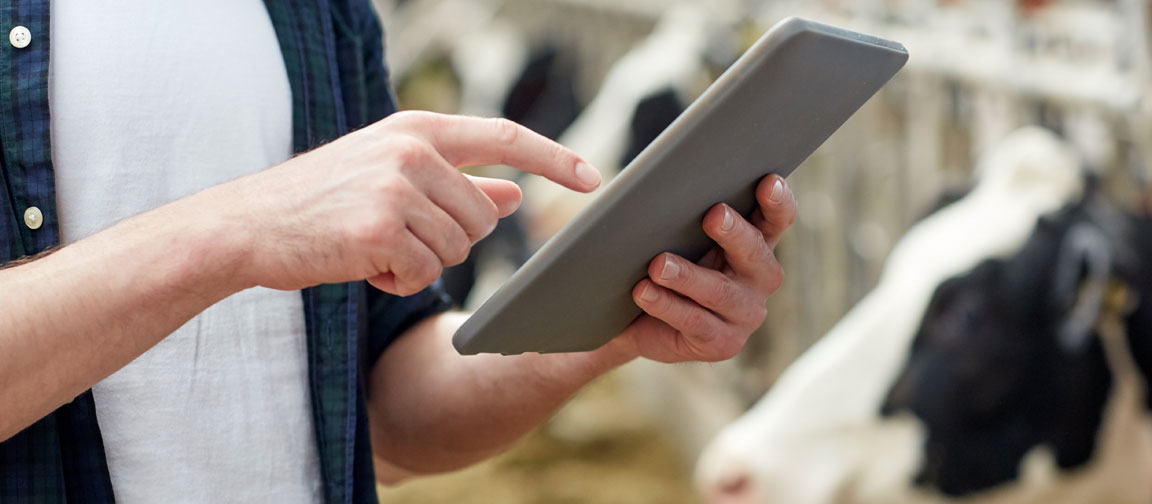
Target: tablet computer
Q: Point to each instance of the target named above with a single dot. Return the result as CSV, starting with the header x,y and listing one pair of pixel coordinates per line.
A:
x,y
766,114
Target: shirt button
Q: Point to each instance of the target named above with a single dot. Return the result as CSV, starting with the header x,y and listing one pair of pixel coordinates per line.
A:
x,y
33,218
20,37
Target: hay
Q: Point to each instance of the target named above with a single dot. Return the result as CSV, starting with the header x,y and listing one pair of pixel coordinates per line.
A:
x,y
618,460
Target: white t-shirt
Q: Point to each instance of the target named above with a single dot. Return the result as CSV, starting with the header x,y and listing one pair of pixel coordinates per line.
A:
x,y
153,101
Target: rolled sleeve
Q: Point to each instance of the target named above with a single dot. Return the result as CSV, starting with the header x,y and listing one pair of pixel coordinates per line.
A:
x,y
390,316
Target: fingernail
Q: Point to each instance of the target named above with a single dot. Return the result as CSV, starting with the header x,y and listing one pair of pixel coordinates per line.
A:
x,y
587,174
729,220
777,191
671,269
649,293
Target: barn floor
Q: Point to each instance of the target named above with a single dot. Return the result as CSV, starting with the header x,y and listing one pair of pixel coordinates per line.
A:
x,y
597,450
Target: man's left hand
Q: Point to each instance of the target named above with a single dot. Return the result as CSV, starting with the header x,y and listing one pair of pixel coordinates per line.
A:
x,y
706,311
703,312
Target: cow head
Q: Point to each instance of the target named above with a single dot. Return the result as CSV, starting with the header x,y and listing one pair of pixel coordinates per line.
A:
x,y
1008,357
977,368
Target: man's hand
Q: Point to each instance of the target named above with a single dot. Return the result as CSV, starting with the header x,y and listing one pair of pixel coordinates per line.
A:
x,y
387,203
706,311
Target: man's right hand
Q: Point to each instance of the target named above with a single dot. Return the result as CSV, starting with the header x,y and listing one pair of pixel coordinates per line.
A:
x,y
386,203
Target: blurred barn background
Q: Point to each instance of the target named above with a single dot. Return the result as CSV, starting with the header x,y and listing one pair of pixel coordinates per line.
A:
x,y
605,76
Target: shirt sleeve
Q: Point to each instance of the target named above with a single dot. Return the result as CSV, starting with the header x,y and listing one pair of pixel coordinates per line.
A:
x,y
368,98
389,316
360,45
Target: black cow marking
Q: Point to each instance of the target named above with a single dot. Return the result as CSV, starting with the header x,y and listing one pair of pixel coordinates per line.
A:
x,y
652,116
544,95
987,373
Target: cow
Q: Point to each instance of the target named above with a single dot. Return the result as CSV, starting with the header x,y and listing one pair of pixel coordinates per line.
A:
x,y
1002,358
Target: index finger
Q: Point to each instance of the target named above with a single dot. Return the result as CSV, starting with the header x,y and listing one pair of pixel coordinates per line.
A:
x,y
473,141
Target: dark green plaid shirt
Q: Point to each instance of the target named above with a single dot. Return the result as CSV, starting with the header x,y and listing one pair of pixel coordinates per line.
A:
x,y
334,55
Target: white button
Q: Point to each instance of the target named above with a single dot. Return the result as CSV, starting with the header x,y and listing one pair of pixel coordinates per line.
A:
x,y
20,37
33,218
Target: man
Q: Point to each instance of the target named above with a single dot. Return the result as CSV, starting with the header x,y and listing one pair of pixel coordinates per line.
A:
x,y
207,334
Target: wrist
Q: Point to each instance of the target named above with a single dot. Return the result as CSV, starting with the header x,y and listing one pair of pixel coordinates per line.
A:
x,y
621,350
597,362
210,249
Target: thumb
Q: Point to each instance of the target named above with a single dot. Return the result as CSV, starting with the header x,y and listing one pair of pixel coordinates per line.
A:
x,y
504,193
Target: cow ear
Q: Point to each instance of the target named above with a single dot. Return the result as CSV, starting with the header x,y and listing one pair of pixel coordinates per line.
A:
x,y
1083,271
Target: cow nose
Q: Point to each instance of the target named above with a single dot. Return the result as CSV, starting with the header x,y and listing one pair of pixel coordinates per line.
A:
x,y
733,487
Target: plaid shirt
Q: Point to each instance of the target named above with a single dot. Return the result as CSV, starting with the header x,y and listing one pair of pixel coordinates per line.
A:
x,y
333,52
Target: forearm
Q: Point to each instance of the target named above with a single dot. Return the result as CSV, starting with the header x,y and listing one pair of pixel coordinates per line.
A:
x,y
384,204
72,318
433,410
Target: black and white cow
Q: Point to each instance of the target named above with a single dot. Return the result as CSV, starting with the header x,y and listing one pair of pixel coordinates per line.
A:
x,y
1002,358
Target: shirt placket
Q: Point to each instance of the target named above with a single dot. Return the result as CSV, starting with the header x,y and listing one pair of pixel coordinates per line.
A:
x,y
303,28
31,225
59,458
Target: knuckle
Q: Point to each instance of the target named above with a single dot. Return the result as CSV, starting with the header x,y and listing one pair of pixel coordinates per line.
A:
x,y
724,293
487,218
759,314
403,288
456,257
409,289
506,131
729,341
373,232
401,120
777,221
560,155
389,227
480,230
363,235
458,251
408,151
773,279
694,324
489,228
490,215
729,352
409,118
758,253
750,316
395,190
425,273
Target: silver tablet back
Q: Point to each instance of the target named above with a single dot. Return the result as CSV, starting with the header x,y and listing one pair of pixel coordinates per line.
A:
x,y
766,114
